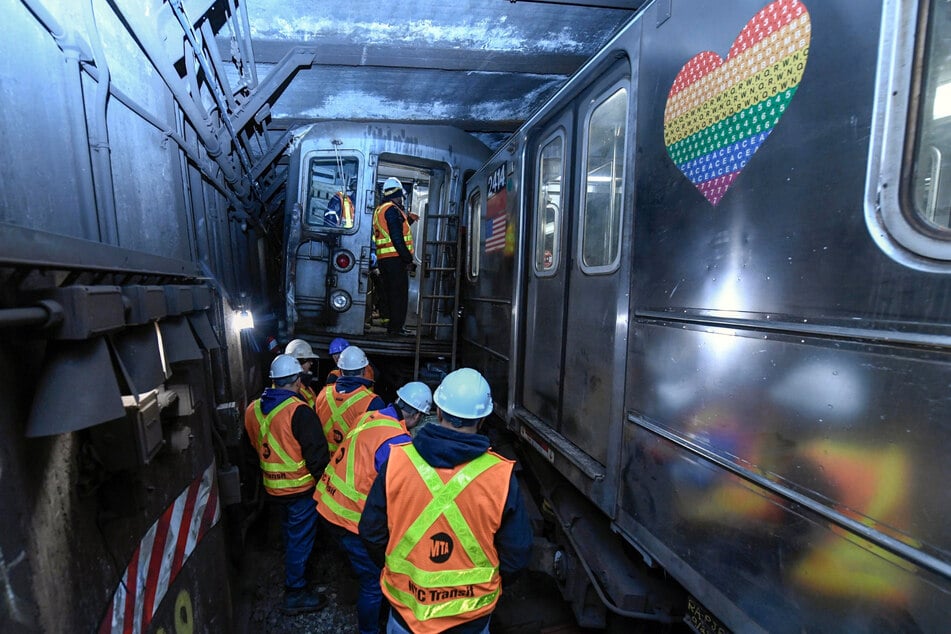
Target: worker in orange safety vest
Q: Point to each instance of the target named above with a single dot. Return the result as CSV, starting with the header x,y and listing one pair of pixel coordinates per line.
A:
x,y
394,252
292,454
343,488
341,404
437,520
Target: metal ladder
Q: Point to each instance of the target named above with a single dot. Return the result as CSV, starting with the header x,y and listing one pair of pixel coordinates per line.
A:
x,y
440,240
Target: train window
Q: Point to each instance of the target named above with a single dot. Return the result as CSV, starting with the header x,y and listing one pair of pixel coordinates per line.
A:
x,y
912,222
931,189
603,187
550,171
475,233
328,178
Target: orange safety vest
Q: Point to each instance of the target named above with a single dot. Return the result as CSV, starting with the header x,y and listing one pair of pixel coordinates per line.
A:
x,y
342,490
309,395
339,413
346,208
442,568
282,462
381,233
368,374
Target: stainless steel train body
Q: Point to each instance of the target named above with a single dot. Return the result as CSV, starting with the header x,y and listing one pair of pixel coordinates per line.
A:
x,y
125,265
329,292
719,308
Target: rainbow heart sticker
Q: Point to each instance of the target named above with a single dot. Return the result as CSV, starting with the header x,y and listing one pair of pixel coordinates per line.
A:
x,y
719,112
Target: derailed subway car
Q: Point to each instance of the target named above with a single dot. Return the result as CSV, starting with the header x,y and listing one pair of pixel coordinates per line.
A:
x,y
328,282
717,316
126,262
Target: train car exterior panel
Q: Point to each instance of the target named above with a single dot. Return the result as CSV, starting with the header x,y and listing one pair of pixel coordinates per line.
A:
x,y
812,260
491,235
128,251
778,357
817,430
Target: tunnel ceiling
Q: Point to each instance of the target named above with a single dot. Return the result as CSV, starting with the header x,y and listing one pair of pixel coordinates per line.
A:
x,y
481,65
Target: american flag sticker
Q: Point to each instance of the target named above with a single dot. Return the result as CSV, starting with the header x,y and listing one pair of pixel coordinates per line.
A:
x,y
495,233
495,224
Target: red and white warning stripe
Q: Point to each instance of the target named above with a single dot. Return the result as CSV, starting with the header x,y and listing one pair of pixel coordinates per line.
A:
x,y
161,554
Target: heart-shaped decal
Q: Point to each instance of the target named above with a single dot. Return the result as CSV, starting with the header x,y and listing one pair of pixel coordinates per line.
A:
x,y
719,112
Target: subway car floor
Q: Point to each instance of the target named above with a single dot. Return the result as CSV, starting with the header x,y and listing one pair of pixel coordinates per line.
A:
x,y
532,605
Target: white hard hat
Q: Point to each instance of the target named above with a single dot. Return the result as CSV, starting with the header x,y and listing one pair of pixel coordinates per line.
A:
x,y
464,393
417,395
352,358
284,365
390,185
300,349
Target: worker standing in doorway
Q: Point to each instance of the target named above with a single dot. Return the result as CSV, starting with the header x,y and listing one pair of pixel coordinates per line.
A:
x,y
292,454
394,252
436,518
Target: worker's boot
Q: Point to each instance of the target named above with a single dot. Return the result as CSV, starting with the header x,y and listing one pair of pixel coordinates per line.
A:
x,y
300,600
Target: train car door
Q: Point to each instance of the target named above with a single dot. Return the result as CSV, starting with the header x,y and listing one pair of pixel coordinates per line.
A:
x,y
597,301
547,272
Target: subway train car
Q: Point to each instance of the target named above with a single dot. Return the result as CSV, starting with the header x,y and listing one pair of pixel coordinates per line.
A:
x,y
128,273
331,286
710,282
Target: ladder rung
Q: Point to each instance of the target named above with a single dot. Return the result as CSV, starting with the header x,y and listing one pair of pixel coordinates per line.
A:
x,y
441,215
440,268
440,242
438,296
437,325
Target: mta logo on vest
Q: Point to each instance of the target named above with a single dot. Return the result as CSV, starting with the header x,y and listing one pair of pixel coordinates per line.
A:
x,y
440,549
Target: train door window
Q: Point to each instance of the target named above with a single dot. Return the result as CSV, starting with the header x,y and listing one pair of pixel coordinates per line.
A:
x,y
328,179
931,181
602,188
548,204
474,236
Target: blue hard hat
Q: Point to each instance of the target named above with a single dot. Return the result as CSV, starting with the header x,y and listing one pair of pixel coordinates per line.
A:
x,y
338,345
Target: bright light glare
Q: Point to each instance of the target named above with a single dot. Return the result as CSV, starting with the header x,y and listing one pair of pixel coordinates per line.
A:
x,y
243,320
942,101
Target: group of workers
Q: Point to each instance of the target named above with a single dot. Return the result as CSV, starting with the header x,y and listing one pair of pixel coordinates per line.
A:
x,y
422,517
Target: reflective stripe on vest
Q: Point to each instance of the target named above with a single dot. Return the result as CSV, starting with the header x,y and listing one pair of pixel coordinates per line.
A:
x,y
309,395
347,514
297,471
337,412
443,503
346,208
381,233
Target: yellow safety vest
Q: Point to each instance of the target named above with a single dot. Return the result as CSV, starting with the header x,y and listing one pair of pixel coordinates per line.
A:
x,y
346,208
